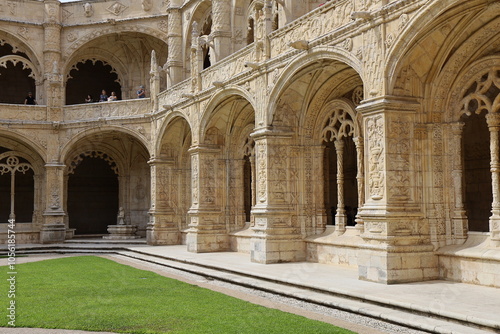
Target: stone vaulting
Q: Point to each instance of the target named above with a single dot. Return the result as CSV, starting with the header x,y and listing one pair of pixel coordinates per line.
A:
x,y
356,132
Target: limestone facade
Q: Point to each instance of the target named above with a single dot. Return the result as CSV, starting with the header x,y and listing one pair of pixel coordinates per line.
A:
x,y
363,133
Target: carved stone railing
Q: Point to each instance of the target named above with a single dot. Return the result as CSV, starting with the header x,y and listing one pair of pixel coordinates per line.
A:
x,y
22,112
173,95
228,68
115,109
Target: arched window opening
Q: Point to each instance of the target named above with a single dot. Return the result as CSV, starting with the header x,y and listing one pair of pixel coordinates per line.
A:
x,y
90,78
476,159
92,196
206,31
250,31
16,189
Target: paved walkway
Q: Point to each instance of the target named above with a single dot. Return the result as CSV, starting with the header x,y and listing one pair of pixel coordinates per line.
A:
x,y
414,304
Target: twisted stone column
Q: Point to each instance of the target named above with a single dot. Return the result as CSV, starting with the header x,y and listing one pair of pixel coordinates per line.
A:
x,y
340,217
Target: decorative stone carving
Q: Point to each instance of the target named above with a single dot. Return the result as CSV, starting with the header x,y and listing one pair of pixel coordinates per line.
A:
x,y
88,9
376,151
117,8
147,5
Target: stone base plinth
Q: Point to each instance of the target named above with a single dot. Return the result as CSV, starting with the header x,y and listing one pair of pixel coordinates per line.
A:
x,y
121,232
52,233
403,265
273,248
205,241
163,236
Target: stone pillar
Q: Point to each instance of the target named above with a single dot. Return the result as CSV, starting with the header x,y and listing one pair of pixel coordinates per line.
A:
x,y
54,228
221,29
207,228
196,59
459,217
493,120
397,243
52,60
174,39
340,217
360,178
276,238
163,228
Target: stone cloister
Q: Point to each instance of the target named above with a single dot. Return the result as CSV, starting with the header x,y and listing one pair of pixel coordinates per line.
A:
x,y
362,133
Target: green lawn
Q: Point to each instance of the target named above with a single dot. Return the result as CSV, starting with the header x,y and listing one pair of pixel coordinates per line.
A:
x,y
92,293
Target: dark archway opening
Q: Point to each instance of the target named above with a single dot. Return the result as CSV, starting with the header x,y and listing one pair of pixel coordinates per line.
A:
x,y
330,183
350,181
247,187
90,79
24,196
16,81
350,171
92,197
478,191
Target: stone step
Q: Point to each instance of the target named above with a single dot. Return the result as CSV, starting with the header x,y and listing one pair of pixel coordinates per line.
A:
x,y
423,319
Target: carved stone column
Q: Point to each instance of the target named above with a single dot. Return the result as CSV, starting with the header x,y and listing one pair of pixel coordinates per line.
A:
x,y
360,178
174,59
52,60
221,28
340,217
397,242
162,228
54,228
493,120
276,237
459,218
154,81
207,228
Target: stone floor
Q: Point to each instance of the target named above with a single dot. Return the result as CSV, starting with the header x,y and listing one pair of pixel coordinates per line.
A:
x,y
434,306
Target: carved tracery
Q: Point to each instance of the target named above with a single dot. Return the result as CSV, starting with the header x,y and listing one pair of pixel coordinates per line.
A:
x,y
9,163
18,59
94,61
339,126
92,154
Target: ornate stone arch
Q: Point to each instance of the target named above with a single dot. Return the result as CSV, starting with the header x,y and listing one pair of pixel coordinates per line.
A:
x,y
171,117
16,139
80,42
472,86
197,14
20,46
450,64
216,100
321,54
68,147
